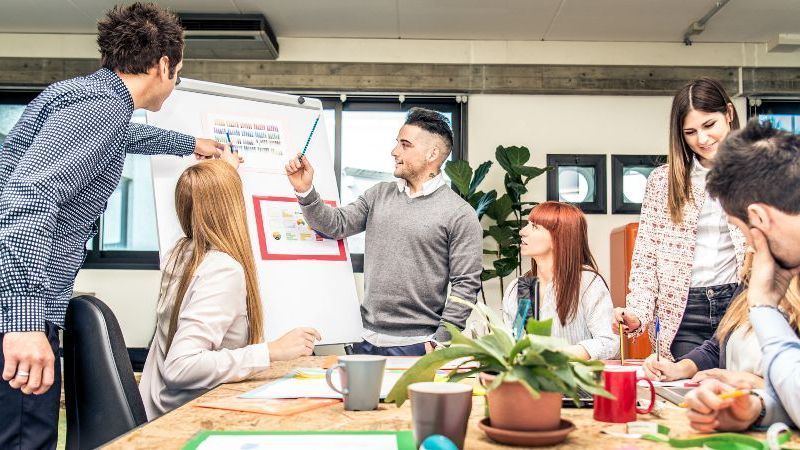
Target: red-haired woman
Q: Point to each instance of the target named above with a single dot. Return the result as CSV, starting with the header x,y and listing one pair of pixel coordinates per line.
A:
x,y
573,293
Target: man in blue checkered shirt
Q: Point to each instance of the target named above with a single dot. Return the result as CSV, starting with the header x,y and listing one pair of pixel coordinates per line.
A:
x,y
58,167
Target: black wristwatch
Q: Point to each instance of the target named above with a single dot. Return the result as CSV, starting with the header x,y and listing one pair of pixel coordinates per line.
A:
x,y
763,412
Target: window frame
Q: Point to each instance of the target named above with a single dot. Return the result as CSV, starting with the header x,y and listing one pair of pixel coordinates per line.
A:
x,y
618,165
595,161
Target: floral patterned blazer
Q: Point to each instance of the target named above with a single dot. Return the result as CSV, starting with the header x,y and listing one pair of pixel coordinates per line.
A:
x,y
661,269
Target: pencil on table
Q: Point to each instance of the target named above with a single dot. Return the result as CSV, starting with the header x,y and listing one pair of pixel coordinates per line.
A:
x,y
725,395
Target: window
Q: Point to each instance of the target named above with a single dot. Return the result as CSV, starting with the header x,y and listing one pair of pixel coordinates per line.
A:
x,y
368,131
628,181
361,133
579,180
783,113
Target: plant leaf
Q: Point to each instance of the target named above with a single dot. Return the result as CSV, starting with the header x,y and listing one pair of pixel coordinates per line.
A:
x,y
504,266
517,188
425,370
501,209
460,174
488,274
530,172
480,174
511,251
485,202
510,157
539,327
502,234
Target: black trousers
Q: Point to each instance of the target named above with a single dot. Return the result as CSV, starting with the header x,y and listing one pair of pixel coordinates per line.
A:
x,y
30,421
704,310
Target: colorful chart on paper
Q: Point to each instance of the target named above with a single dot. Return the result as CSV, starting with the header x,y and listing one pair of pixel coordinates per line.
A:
x,y
283,232
258,140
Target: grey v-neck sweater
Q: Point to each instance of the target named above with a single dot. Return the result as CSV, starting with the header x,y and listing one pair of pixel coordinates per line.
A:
x,y
415,247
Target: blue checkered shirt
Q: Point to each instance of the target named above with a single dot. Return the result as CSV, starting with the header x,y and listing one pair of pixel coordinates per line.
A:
x,y
58,167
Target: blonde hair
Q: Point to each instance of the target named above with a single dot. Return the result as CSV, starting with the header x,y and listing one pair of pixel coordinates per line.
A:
x,y
211,211
737,314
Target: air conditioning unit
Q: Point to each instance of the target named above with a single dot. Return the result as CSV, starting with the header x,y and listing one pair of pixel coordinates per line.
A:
x,y
228,36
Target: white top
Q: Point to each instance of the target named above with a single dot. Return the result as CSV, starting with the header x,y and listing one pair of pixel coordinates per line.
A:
x,y
210,343
743,352
714,255
589,328
385,340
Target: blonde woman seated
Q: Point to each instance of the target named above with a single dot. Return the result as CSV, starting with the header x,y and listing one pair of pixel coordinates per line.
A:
x,y
209,326
733,355
572,292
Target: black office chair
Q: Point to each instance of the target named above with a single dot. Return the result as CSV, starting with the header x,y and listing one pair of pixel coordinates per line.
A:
x,y
102,398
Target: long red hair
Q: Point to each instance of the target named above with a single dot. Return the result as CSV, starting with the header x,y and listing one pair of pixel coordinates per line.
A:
x,y
571,254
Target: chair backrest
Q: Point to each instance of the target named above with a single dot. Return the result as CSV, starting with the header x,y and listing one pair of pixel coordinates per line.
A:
x,y
102,398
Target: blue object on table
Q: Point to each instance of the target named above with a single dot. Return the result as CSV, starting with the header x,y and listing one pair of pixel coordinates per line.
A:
x,y
437,442
523,313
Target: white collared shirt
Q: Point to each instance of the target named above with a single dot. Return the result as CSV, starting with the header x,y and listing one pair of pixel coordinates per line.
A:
x,y
428,187
714,255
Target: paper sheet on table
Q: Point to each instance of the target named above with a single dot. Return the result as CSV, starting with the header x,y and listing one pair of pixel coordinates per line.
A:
x,y
294,387
405,362
301,442
276,407
676,383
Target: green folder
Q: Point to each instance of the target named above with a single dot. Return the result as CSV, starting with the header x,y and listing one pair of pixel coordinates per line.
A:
x,y
404,439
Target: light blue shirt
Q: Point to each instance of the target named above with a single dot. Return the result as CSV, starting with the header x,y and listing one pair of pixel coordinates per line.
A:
x,y
781,362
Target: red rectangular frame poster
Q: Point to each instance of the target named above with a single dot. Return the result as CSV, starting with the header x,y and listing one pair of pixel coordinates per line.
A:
x,y
268,253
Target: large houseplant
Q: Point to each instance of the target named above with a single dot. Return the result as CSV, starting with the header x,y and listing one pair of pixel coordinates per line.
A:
x,y
536,364
508,212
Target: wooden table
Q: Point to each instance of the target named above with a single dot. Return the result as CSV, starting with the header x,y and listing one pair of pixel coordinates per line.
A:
x,y
173,430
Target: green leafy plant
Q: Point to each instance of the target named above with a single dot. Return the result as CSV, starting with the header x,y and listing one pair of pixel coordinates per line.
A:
x,y
538,361
507,212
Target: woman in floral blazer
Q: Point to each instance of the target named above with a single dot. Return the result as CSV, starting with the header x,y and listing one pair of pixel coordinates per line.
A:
x,y
686,258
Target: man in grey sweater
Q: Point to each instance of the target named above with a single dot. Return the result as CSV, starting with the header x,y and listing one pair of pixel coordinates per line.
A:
x,y
420,236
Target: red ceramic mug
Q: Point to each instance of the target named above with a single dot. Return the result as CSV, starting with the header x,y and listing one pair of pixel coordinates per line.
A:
x,y
621,381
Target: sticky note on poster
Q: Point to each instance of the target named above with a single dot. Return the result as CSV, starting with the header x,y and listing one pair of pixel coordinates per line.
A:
x,y
260,141
284,234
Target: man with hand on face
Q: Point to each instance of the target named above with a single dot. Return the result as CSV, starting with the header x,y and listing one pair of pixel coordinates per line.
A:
x,y
420,236
58,167
756,176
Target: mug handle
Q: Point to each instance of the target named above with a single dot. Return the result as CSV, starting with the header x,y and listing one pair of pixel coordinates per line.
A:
x,y
329,373
652,396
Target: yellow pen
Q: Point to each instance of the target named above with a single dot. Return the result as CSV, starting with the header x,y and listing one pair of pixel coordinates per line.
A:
x,y
725,395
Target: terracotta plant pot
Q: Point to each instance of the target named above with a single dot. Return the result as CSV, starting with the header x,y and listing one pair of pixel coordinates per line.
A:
x,y
512,407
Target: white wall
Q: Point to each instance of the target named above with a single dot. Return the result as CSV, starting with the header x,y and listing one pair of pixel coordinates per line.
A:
x,y
563,124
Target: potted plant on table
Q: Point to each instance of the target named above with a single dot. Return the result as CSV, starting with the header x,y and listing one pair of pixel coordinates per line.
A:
x,y
525,379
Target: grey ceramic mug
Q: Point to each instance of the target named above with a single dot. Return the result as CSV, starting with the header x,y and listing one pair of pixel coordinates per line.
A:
x,y
440,408
361,376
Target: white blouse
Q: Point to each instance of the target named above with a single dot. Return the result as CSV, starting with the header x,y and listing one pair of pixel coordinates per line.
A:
x,y
714,254
589,328
210,343
743,352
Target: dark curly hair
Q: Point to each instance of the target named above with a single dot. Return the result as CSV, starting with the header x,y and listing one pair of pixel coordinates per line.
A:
x,y
133,38
758,164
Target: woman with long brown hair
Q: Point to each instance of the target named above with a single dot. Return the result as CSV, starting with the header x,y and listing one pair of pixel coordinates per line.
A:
x,y
686,258
574,294
209,326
